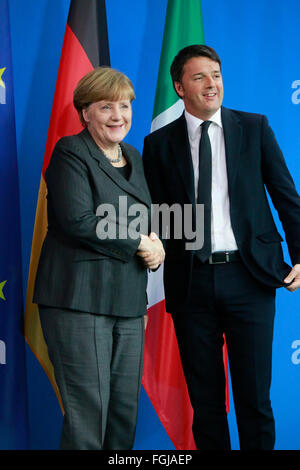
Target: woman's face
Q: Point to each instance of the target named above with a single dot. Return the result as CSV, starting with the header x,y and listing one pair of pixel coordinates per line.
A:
x,y
108,121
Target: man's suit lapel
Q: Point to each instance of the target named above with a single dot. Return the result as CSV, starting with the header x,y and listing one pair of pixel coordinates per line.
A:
x,y
134,185
181,156
233,139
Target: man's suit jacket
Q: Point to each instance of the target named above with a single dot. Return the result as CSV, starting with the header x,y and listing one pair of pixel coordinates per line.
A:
x,y
254,163
77,270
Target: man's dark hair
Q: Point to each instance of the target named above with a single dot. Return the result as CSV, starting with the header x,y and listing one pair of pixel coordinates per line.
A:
x,y
187,53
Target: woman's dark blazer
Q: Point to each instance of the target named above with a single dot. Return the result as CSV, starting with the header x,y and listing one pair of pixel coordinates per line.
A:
x,y
76,269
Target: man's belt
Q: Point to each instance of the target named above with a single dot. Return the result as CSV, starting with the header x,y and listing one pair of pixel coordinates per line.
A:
x,y
221,257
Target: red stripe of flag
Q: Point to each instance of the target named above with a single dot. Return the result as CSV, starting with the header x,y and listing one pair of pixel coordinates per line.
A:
x,y
164,380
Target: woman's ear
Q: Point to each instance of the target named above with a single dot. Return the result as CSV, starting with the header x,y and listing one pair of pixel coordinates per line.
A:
x,y
85,115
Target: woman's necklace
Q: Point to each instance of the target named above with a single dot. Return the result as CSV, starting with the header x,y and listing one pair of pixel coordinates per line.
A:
x,y
115,160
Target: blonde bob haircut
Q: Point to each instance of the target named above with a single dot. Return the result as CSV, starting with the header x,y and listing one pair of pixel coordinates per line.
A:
x,y
102,83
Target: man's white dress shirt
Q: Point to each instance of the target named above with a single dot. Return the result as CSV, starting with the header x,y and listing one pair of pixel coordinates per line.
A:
x,y
222,236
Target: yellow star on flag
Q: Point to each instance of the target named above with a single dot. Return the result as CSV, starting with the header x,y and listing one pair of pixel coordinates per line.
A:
x,y
1,73
2,284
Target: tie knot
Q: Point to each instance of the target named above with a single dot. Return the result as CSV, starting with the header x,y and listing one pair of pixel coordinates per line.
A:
x,y
205,125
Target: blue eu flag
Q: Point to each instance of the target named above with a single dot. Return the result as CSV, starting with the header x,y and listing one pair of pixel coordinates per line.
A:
x,y
13,390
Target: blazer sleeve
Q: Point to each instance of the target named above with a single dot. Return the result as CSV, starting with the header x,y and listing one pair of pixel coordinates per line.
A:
x,y
282,190
71,208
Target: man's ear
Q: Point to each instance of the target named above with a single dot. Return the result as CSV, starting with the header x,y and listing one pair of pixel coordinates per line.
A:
x,y
179,89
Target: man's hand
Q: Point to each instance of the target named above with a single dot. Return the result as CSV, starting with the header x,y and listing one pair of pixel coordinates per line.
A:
x,y
151,251
294,278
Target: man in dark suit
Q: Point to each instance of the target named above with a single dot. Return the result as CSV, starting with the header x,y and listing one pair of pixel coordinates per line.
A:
x,y
224,160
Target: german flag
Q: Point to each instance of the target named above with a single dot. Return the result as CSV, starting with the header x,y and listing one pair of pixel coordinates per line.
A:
x,y
85,47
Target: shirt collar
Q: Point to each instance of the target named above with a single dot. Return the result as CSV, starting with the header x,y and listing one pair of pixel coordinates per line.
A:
x,y
194,123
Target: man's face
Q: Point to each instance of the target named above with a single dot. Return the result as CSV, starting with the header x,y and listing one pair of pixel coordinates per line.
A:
x,y
201,87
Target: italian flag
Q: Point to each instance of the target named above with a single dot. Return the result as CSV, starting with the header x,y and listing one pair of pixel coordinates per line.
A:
x,y
163,377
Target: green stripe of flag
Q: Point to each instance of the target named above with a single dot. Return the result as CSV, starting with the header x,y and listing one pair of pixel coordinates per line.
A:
x,y
183,27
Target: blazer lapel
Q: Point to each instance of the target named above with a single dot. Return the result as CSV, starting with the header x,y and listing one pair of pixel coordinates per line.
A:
x,y
134,185
182,158
233,139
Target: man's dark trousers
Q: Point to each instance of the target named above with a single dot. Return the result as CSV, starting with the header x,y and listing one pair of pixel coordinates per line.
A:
x,y
227,299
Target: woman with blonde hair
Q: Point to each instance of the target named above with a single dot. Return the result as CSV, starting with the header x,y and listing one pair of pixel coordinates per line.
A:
x,y
91,281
